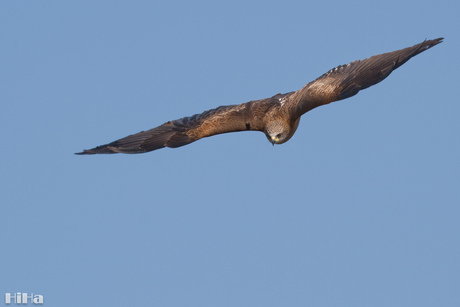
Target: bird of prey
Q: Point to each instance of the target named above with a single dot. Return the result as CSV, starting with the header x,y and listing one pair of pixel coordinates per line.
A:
x,y
278,116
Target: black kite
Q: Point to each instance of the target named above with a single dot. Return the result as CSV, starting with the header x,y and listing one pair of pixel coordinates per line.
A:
x,y
278,116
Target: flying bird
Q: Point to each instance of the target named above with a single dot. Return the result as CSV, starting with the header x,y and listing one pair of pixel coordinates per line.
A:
x,y
278,116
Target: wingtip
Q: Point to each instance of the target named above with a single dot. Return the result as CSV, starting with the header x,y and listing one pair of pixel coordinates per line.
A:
x,y
84,152
433,42
425,45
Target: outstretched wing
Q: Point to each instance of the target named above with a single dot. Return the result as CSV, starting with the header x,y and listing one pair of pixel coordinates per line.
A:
x,y
176,133
347,80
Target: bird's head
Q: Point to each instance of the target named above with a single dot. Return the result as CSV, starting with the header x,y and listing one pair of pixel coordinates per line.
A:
x,y
279,132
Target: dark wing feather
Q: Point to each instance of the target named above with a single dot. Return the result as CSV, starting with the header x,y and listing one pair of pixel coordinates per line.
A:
x,y
347,80
176,133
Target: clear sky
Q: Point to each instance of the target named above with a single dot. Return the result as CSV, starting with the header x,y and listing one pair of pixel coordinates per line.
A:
x,y
360,208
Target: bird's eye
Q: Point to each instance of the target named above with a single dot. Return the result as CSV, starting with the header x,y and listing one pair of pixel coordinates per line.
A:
x,y
278,135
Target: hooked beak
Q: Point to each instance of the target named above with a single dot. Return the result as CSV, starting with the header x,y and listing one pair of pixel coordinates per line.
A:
x,y
274,140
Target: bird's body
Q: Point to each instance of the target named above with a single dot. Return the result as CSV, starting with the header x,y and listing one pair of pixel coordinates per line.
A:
x,y
278,116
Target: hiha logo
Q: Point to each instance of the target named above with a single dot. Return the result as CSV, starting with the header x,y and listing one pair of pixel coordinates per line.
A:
x,y
23,298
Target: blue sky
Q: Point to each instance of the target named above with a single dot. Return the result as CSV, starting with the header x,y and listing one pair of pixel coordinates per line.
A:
x,y
359,208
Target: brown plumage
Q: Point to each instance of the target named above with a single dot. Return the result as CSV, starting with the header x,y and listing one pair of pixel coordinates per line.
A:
x,y
278,116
